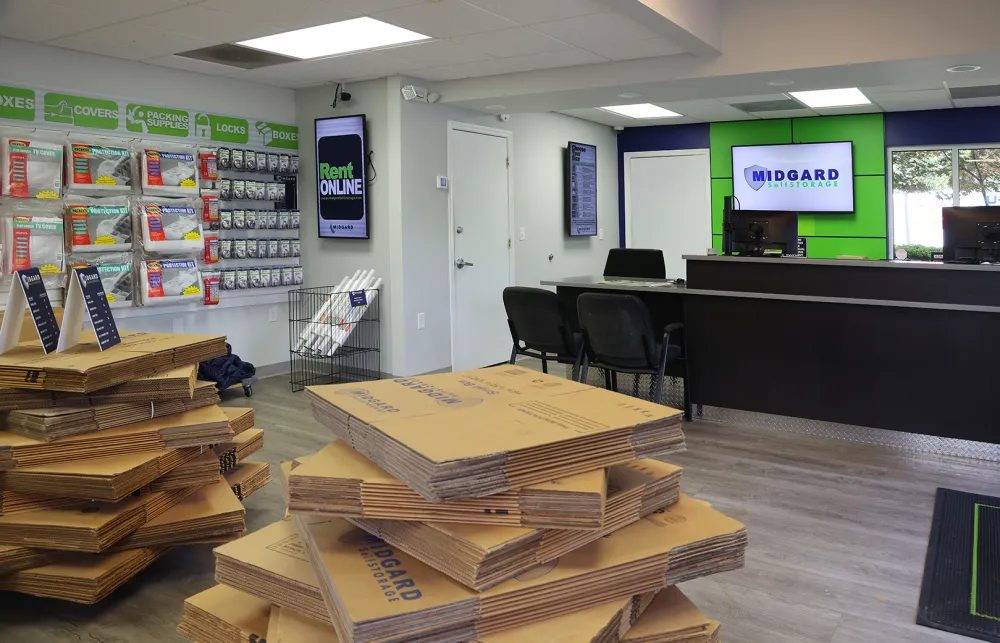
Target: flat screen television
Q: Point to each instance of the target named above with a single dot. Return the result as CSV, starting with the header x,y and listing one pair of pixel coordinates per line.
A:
x,y
341,182
807,177
581,190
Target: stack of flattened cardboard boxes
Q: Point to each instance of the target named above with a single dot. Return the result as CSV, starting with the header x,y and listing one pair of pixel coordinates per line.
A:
x,y
499,505
101,472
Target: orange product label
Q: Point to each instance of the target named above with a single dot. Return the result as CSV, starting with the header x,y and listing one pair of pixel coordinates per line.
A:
x,y
81,165
17,177
154,221
78,225
153,175
154,279
22,249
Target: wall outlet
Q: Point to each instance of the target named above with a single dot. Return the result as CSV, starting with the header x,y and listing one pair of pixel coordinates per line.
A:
x,y
520,234
272,314
421,321
600,234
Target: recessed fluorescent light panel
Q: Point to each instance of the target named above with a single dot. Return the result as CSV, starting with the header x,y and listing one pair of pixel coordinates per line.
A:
x,y
347,36
642,110
821,98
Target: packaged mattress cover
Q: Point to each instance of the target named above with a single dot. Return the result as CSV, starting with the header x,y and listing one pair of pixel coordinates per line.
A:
x,y
170,171
98,168
30,168
99,225
168,282
171,227
117,275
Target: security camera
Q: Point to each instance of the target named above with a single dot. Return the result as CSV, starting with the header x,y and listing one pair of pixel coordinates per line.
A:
x,y
345,96
503,117
340,94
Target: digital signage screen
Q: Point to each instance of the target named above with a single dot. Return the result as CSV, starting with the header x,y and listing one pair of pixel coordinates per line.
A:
x,y
808,177
581,190
341,182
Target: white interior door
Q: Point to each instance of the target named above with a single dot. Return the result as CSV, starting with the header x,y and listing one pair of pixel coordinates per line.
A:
x,y
668,205
481,266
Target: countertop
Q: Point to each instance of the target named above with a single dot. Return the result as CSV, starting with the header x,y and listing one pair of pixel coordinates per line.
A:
x,y
918,265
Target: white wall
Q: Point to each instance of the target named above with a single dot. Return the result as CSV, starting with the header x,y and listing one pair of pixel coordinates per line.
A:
x,y
34,65
327,261
538,206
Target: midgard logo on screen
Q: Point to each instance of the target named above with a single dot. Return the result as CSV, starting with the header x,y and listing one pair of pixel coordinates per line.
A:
x,y
816,177
340,177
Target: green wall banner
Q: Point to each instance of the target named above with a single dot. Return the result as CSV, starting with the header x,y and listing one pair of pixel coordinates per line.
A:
x,y
225,129
17,104
278,135
81,111
72,111
150,119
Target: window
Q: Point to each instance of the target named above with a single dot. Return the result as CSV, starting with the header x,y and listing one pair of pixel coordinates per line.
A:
x,y
924,181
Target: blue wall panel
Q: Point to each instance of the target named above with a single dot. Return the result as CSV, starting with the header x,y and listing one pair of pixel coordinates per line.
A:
x,y
966,126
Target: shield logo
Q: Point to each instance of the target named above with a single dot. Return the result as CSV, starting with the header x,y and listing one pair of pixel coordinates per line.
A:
x,y
756,176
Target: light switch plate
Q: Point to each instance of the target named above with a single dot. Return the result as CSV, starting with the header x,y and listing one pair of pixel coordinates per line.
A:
x,y
520,234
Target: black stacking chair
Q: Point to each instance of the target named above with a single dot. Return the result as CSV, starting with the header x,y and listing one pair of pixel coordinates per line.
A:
x,y
619,337
541,328
635,263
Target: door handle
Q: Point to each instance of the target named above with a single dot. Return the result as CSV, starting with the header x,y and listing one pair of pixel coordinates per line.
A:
x,y
461,263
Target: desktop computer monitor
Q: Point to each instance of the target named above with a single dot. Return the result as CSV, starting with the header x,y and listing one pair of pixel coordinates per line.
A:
x,y
971,234
756,233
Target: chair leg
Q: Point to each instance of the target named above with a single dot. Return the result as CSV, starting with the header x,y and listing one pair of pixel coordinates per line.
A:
x,y
658,396
607,378
513,354
614,381
576,367
661,375
584,368
687,393
545,364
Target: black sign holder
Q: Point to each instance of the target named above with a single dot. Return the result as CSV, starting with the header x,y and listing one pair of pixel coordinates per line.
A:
x,y
86,294
28,294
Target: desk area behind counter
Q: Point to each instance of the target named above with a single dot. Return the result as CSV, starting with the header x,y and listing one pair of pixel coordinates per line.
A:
x,y
890,345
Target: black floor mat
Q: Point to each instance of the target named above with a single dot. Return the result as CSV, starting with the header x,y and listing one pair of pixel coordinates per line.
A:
x,y
961,587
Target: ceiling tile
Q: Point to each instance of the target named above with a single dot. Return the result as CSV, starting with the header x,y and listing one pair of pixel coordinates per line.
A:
x,y
856,109
521,41
190,64
608,118
114,11
42,20
632,49
434,54
208,24
445,19
338,69
597,28
708,110
757,98
135,43
490,67
369,7
787,113
911,100
991,101
530,12
565,58
289,14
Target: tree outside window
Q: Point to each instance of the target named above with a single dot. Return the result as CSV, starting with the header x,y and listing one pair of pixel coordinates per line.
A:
x,y
979,177
921,185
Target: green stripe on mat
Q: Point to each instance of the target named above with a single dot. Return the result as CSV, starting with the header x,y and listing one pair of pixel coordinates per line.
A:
x,y
974,609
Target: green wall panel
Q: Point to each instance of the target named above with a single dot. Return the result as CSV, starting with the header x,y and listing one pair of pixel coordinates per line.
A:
x,y
868,219
717,242
721,188
831,247
724,136
866,131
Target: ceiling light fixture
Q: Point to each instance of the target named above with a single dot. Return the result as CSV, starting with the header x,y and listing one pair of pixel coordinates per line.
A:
x,y
347,36
964,69
495,108
642,110
629,95
780,83
823,98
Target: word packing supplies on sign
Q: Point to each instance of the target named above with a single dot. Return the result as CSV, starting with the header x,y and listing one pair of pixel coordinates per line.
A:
x,y
28,293
341,184
86,295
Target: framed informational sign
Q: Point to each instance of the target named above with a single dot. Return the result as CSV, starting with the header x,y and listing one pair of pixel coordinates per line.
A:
x,y
581,190
341,183
808,177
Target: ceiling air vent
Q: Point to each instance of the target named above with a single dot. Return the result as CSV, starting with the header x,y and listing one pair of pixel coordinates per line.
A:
x,y
237,56
985,91
782,105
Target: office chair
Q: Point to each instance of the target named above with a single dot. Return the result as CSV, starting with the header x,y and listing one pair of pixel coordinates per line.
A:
x,y
635,263
540,327
619,337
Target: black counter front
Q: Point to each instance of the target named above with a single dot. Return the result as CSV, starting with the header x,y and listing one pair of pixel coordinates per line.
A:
x,y
898,346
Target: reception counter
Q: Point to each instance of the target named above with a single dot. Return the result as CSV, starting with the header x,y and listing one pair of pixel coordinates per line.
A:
x,y
903,346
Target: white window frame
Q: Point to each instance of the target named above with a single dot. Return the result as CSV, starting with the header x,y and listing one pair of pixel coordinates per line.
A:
x,y
955,181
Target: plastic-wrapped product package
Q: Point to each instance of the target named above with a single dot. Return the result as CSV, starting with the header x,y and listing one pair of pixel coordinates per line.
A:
x,y
293,164
170,171
261,161
98,225
253,275
225,160
283,162
228,280
252,249
171,226
33,238
210,212
273,163
239,160
287,276
225,248
209,164
167,282
284,220
275,277
242,279
117,275
250,219
225,189
294,217
273,248
296,248
298,275
211,249
210,285
225,219
101,168
31,168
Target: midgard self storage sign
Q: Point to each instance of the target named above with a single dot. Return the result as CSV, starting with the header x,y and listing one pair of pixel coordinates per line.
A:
x,y
340,177
813,177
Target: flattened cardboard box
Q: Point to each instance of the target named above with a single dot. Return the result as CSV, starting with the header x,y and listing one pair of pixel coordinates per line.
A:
x,y
480,557
672,618
478,433
85,369
221,614
200,427
248,478
53,424
15,558
339,481
207,468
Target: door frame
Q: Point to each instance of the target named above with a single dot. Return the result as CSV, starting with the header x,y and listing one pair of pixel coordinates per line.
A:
x,y
706,154
457,126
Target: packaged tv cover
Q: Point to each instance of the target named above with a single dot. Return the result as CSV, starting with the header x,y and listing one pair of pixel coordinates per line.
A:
x,y
35,242
31,169
98,168
99,225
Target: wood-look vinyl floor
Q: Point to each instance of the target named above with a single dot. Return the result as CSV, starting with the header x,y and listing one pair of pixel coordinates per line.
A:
x,y
838,533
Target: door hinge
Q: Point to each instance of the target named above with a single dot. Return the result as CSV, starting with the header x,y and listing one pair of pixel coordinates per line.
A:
x,y
508,161
508,242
